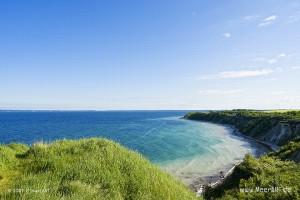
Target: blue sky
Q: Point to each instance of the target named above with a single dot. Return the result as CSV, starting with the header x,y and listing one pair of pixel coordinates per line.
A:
x,y
172,54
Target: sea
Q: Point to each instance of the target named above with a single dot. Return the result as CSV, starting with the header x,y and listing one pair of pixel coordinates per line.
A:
x,y
189,150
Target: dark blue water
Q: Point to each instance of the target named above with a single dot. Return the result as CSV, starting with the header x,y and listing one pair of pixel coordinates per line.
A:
x,y
125,127
181,146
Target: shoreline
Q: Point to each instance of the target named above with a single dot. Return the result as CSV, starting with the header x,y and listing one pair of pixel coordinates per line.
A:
x,y
235,131
270,146
215,180
199,187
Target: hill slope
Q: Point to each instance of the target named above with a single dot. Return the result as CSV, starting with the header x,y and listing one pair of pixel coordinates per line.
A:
x,y
83,169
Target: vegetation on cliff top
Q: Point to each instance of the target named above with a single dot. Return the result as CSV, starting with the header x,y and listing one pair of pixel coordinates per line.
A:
x,y
286,116
83,169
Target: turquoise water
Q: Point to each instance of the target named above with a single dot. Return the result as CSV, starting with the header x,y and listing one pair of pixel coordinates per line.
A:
x,y
187,149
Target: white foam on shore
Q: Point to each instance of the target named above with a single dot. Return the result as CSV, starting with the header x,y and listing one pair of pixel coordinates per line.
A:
x,y
219,157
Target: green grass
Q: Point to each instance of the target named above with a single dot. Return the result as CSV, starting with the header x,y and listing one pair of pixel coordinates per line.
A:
x,y
83,169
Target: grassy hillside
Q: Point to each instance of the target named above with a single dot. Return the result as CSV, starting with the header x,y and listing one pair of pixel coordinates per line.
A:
x,y
275,127
83,169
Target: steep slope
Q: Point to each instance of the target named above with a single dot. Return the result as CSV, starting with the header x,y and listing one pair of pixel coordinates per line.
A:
x,y
290,151
83,169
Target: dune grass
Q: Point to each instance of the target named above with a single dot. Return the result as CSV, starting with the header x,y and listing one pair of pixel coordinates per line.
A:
x,y
83,169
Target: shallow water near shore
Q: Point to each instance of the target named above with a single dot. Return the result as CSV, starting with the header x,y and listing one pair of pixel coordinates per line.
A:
x,y
187,149
223,149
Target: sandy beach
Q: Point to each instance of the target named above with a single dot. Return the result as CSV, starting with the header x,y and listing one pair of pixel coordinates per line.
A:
x,y
259,148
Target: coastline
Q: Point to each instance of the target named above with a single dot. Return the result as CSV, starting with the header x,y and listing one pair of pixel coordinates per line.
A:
x,y
213,180
261,148
270,146
235,131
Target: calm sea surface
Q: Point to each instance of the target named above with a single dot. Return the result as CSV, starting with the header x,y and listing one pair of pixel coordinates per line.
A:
x,y
184,148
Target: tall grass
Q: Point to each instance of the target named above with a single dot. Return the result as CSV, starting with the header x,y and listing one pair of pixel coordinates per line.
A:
x,y
83,169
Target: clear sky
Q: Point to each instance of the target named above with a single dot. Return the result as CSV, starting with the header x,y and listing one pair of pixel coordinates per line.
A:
x,y
149,54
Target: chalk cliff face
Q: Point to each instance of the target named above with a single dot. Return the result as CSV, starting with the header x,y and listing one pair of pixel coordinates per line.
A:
x,y
281,133
272,128
296,156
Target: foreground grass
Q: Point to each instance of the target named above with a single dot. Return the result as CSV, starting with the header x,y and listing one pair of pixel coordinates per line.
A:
x,y
83,169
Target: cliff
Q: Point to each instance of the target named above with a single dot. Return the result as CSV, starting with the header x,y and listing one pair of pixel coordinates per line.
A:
x,y
274,127
290,151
